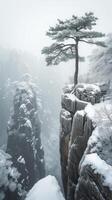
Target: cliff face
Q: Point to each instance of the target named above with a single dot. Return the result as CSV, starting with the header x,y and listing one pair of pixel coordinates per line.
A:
x,y
24,142
9,186
81,156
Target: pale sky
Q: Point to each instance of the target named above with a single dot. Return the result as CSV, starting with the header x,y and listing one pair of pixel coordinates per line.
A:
x,y
23,23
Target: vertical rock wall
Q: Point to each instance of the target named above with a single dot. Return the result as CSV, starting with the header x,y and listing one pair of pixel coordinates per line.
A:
x,y
76,129
24,141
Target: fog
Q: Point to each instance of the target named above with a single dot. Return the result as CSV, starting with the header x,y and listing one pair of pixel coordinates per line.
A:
x,y
23,25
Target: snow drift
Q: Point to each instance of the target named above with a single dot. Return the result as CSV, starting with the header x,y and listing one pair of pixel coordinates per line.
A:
x,y
47,188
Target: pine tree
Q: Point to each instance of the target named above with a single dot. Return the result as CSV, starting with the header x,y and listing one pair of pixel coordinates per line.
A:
x,y
67,36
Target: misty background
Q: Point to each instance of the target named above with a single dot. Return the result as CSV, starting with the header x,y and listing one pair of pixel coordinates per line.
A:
x,y
23,24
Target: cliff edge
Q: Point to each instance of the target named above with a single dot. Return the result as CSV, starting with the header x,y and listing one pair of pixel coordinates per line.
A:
x,y
85,143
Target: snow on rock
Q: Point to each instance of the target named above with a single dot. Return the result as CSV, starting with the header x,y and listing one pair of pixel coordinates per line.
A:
x,y
68,88
90,135
71,103
45,189
66,121
89,87
83,95
100,113
96,163
88,92
101,167
24,139
28,123
101,139
21,160
81,112
89,109
68,102
8,175
23,108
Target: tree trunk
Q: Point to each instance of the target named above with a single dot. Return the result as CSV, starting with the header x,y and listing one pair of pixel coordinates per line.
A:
x,y
76,64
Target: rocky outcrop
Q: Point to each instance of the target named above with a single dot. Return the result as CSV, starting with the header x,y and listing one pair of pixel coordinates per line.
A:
x,y
88,92
24,141
9,186
79,177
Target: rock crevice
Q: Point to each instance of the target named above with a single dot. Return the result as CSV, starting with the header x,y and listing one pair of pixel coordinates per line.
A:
x,y
77,127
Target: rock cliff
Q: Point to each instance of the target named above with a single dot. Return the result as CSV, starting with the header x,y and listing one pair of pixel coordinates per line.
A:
x,y
9,187
24,141
85,144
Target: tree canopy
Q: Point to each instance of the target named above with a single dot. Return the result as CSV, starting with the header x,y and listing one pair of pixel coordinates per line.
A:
x,y
67,35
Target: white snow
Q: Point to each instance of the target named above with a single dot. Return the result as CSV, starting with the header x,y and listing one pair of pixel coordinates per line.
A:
x,y
21,160
89,109
8,174
88,87
80,112
23,108
65,114
68,88
101,137
70,96
26,85
100,113
99,166
28,123
45,189
99,144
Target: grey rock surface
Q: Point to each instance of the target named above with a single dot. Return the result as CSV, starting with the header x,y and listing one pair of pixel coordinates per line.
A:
x,y
80,181
24,141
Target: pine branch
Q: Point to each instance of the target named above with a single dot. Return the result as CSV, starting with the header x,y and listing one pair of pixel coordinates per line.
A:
x,y
56,46
98,43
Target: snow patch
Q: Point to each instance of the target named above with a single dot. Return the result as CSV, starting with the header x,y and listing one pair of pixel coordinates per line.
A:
x,y
81,112
71,96
28,123
99,166
88,87
21,160
89,109
45,189
100,113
